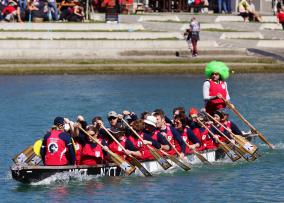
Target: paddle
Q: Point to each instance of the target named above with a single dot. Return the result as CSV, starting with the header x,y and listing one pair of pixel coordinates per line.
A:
x,y
260,135
179,162
237,149
199,156
25,156
244,144
230,152
124,165
161,160
134,161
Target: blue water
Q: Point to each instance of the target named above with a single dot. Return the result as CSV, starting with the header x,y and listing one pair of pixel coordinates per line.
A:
x,y
30,103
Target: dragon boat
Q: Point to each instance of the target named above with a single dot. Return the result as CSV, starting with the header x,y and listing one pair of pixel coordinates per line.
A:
x,y
33,174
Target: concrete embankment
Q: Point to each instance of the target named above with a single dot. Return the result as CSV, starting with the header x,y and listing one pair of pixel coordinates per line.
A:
x,y
139,44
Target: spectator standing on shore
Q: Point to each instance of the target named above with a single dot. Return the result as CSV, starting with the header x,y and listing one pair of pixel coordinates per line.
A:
x,y
229,6
222,6
52,8
194,28
280,17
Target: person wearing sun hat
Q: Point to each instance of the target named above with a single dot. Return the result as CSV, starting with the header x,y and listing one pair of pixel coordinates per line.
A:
x,y
215,87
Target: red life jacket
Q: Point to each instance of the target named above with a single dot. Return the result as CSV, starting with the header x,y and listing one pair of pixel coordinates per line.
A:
x,y
78,152
197,2
155,135
171,140
201,136
216,88
115,148
222,129
146,155
92,155
185,139
56,150
228,124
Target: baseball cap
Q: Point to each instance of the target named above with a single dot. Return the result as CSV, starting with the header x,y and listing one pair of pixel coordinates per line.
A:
x,y
112,114
58,121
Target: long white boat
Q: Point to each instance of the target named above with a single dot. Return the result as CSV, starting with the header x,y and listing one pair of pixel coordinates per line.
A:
x,y
34,174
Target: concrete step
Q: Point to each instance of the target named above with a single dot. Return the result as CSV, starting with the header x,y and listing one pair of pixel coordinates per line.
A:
x,y
159,18
91,35
70,26
270,26
209,51
205,26
271,43
241,35
31,49
230,18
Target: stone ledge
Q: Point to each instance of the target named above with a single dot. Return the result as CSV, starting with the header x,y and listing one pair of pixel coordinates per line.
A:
x,y
205,26
70,26
159,18
241,35
91,35
270,26
271,43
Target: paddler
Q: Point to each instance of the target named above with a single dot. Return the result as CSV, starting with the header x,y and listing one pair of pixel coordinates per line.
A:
x,y
180,123
200,132
151,134
215,88
139,126
171,134
57,148
119,135
92,153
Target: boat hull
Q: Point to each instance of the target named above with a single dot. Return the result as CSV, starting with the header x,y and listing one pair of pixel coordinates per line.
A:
x,y
34,174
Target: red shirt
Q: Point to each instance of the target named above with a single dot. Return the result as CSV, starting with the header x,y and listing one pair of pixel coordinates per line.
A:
x,y
280,16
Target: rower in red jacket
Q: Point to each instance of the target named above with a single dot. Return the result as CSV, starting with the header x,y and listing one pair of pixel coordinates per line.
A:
x,y
119,134
186,133
170,133
200,132
152,135
215,88
139,127
92,153
57,148
219,116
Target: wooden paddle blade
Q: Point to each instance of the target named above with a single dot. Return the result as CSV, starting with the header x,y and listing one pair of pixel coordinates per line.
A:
x,y
23,156
201,158
124,165
136,163
184,166
230,153
248,146
161,160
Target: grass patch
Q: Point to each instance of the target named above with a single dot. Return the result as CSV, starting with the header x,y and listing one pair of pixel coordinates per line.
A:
x,y
137,69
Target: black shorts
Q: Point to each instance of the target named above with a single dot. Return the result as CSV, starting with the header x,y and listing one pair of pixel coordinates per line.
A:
x,y
244,14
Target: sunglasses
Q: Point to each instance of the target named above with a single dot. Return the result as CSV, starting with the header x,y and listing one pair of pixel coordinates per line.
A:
x,y
112,118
